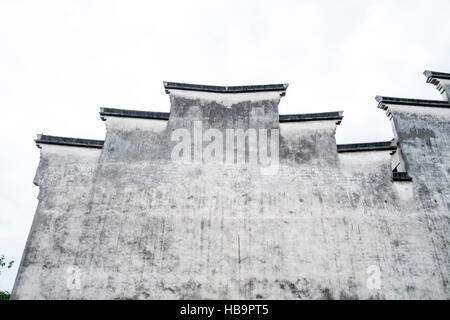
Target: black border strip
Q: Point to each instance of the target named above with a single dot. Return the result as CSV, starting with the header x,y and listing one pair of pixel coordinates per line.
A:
x,y
64,141
132,114
224,89
383,101
436,75
370,146
336,115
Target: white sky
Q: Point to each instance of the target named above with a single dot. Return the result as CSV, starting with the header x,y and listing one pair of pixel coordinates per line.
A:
x,y
60,61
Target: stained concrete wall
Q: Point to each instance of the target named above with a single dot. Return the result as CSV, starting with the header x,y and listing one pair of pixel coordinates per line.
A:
x,y
65,178
135,225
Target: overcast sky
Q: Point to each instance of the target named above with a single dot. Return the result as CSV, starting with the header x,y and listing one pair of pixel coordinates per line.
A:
x,y
60,61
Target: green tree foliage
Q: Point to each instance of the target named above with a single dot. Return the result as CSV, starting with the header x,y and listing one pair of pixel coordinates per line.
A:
x,y
4,295
4,264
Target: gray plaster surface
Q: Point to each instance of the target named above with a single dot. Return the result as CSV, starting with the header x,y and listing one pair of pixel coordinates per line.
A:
x,y
129,223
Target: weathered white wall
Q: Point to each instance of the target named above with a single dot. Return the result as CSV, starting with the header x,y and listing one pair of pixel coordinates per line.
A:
x,y
65,178
137,225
